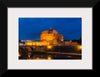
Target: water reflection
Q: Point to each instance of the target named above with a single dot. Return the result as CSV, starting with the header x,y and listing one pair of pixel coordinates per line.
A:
x,y
30,53
50,56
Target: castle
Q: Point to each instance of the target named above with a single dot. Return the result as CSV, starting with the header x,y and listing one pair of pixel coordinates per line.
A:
x,y
50,37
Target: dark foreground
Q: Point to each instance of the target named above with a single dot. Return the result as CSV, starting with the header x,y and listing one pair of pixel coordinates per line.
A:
x,y
43,53
51,56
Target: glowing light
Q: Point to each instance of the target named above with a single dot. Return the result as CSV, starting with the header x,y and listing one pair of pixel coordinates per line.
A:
x,y
37,58
29,56
49,58
19,55
49,46
80,47
69,56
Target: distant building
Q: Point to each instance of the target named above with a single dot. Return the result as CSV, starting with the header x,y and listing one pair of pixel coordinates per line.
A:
x,y
21,43
50,37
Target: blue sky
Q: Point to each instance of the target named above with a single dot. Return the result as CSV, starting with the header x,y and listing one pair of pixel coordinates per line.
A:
x,y
31,28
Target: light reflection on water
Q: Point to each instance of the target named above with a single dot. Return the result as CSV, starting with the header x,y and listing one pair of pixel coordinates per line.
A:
x,y
41,57
51,57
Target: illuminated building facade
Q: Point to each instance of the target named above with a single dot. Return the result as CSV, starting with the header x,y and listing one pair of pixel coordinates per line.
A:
x,y
49,37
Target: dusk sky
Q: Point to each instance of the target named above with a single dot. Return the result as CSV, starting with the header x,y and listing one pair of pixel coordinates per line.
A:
x,y
31,28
